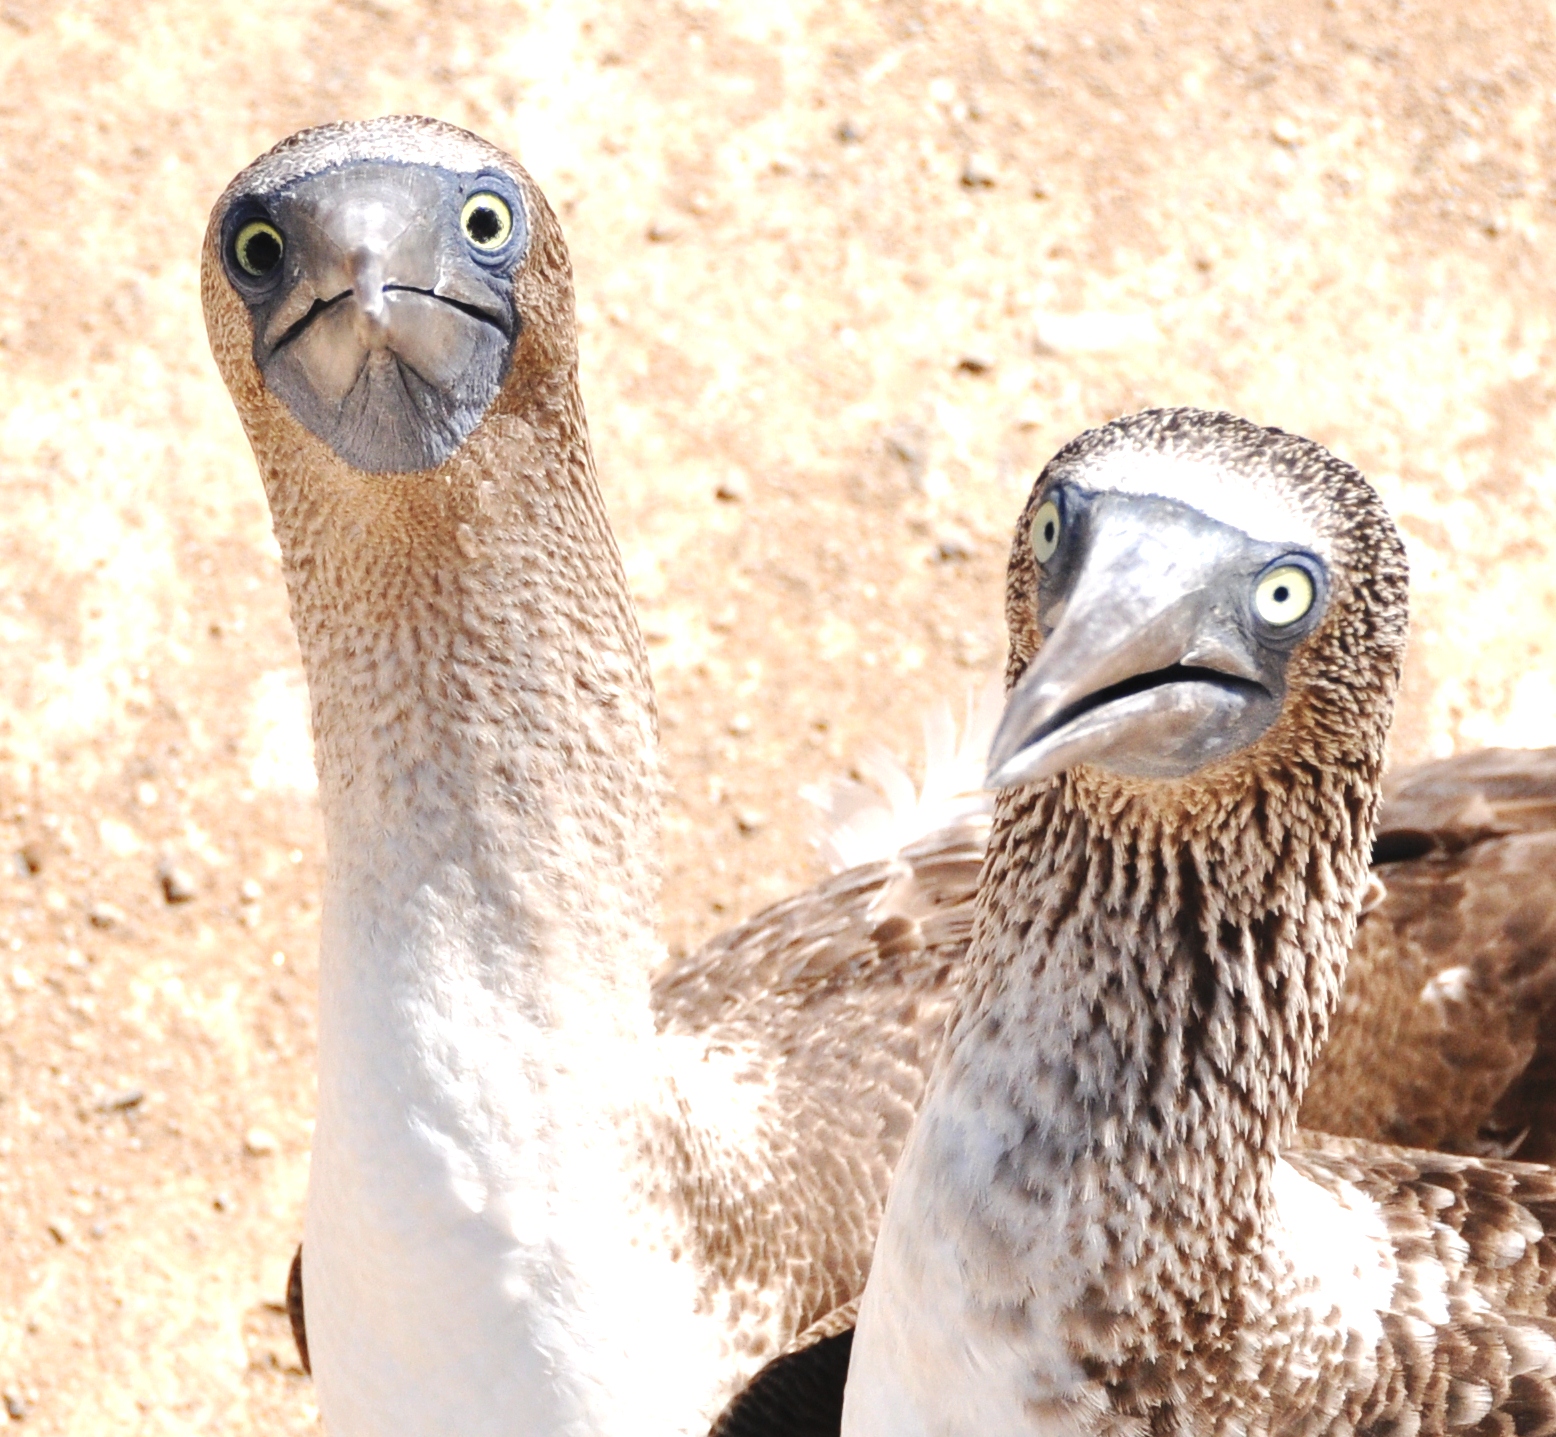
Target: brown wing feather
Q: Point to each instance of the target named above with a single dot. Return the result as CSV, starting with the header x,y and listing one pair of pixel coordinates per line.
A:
x,y
1484,794
821,946
858,975
1446,1032
1480,1235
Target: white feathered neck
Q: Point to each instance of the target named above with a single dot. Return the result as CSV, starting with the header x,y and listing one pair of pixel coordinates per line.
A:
x,y
486,1232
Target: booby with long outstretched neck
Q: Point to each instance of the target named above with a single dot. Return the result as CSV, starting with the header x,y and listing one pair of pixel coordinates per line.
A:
x,y
1103,1221
550,1192
536,1204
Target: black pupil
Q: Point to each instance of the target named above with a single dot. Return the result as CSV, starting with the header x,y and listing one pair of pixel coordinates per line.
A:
x,y
1048,532
484,224
1282,593
261,252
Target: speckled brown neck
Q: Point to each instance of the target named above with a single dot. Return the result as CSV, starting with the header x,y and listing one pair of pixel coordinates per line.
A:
x,y
481,695
478,678
1151,976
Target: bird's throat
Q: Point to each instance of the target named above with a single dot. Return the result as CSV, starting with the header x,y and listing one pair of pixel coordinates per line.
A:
x,y
484,735
1145,1001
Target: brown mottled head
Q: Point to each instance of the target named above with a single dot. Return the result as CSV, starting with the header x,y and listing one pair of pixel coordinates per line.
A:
x,y
381,288
1185,586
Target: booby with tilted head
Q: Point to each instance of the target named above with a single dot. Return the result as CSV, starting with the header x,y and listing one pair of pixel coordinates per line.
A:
x,y
1105,1220
550,1191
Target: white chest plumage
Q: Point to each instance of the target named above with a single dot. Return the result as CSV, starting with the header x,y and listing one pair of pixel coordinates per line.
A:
x,y
480,1254
469,1325
962,1328
954,1336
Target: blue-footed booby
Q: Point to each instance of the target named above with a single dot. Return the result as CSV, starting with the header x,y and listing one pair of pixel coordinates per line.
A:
x,y
1106,1219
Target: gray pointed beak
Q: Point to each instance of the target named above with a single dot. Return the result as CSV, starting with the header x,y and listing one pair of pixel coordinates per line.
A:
x,y
1149,668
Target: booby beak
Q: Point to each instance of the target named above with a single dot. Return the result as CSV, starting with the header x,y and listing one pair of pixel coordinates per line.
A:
x,y
1154,664
383,310
372,275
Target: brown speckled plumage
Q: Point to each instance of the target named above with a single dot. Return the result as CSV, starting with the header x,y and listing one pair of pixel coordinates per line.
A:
x,y
1445,1036
850,985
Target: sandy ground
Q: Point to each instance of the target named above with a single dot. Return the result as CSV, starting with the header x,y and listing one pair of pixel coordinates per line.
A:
x,y
859,269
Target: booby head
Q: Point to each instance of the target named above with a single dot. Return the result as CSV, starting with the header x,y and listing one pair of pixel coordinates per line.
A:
x,y
1185,585
376,280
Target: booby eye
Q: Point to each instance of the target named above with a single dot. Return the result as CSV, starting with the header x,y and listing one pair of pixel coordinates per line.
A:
x,y
258,249
1046,528
486,220
1283,595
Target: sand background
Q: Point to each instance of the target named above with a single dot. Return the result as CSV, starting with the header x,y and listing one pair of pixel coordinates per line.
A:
x,y
858,268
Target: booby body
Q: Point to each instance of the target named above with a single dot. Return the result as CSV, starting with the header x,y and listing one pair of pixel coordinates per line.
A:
x,y
535,1205
1104,1221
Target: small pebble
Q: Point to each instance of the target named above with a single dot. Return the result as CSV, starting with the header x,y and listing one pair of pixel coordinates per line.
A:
x,y
221,1202
123,1101
22,980
104,915
978,172
146,794
975,363
733,489
739,725
850,133
1041,188
61,1229
750,820
1285,132
249,891
178,885
953,542
259,1142
907,443
661,231
16,1406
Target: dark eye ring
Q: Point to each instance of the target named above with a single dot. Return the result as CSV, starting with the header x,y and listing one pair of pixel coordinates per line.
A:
x,y
486,220
258,248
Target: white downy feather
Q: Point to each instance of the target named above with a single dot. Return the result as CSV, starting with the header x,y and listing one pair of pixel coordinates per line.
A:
x,y
874,820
